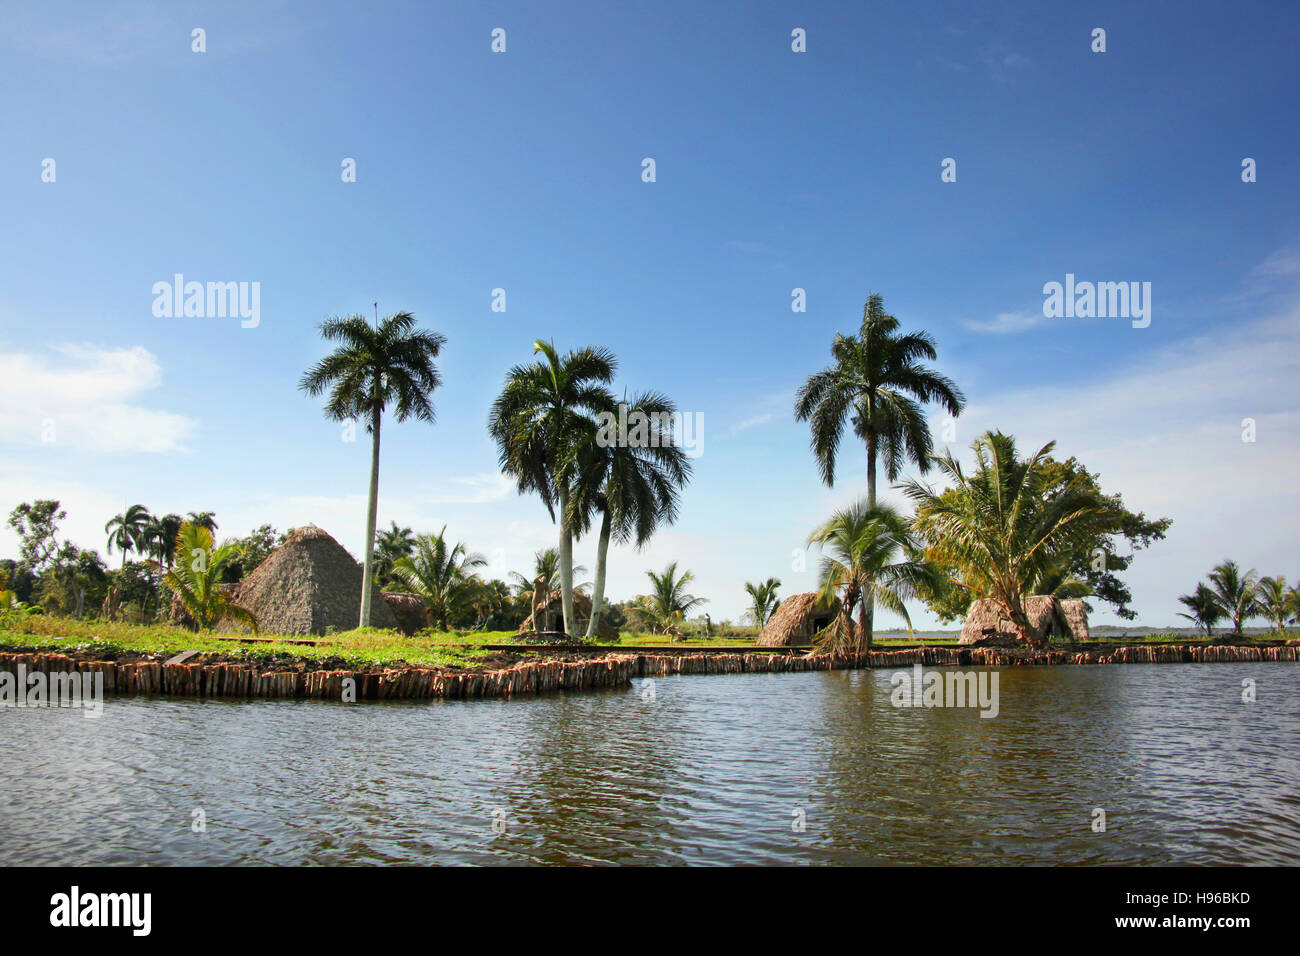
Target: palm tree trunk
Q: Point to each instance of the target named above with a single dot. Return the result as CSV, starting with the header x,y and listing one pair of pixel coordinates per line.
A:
x,y
566,563
372,506
598,587
868,616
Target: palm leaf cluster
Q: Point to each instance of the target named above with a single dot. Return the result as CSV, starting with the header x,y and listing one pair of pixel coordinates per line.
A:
x,y
195,578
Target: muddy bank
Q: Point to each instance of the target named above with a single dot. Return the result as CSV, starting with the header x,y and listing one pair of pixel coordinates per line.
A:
x,y
205,677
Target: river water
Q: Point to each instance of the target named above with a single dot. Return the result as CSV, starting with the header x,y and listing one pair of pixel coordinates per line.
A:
x,y
794,769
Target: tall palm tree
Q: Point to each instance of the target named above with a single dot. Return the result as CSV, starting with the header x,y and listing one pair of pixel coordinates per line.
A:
x,y
665,608
1204,608
763,601
541,422
997,529
195,579
867,551
168,527
127,530
631,479
1235,592
879,384
443,574
374,366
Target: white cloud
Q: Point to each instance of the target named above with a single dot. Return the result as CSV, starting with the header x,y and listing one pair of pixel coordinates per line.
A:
x,y
1006,322
752,422
85,399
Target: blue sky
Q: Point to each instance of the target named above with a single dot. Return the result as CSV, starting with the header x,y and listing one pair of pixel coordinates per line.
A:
x,y
775,170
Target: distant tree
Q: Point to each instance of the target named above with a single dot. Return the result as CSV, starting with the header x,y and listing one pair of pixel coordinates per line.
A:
x,y
1235,592
390,546
37,525
254,548
665,608
762,600
1274,601
128,530
204,519
1202,608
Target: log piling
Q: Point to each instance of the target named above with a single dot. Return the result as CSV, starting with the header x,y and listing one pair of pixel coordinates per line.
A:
x,y
612,670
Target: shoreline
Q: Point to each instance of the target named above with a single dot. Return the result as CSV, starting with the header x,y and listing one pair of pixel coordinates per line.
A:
x,y
221,679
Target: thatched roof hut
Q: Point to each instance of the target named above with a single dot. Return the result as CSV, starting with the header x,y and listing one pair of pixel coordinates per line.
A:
x,y
1063,620
552,617
410,610
308,584
795,621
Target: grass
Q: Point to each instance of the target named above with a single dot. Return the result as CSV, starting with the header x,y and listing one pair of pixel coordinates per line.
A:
x,y
372,647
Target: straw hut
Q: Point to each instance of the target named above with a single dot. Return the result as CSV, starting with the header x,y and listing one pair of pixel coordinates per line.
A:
x,y
1056,619
551,617
410,610
796,620
306,585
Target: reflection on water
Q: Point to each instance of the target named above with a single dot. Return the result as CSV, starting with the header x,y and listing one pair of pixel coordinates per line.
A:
x,y
711,770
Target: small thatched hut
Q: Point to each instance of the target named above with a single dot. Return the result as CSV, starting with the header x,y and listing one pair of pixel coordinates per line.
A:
x,y
410,610
1056,619
796,620
308,584
551,618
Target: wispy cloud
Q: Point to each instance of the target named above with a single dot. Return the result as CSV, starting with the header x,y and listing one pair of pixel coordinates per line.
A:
x,y
1008,322
87,399
752,422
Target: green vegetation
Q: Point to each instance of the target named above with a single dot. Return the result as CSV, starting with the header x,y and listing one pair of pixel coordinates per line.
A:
x,y
443,574
196,579
763,601
665,608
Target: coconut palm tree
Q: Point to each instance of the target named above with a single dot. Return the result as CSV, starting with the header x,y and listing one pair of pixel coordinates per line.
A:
x,y
763,601
443,574
127,530
867,551
1204,608
632,478
1273,601
541,422
997,529
195,578
878,383
665,608
1235,593
374,366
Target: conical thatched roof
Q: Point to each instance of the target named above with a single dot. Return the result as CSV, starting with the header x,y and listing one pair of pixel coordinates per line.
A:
x,y
605,631
795,621
1064,620
308,584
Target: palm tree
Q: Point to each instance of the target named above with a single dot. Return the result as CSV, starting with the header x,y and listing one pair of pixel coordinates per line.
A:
x,y
375,366
666,606
867,552
391,545
763,601
997,529
878,383
541,421
196,578
441,573
204,519
1235,592
127,530
168,526
1273,601
544,580
632,480
1204,608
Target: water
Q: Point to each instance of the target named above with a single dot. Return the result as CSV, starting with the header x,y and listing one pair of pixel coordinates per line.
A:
x,y
711,770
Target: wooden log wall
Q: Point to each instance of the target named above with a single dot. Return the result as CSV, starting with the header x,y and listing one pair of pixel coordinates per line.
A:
x,y
613,670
